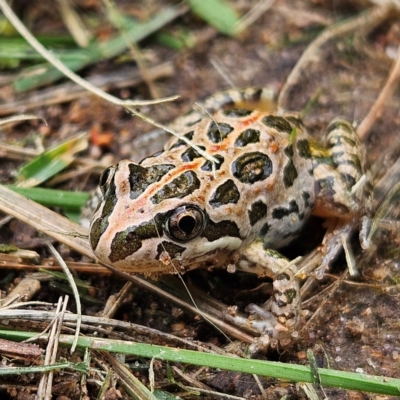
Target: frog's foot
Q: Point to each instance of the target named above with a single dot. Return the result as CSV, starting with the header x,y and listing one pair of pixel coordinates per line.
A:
x,y
337,238
260,321
277,321
365,232
274,332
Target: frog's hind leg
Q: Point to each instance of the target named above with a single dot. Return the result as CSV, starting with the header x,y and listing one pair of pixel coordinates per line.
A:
x,y
338,172
342,185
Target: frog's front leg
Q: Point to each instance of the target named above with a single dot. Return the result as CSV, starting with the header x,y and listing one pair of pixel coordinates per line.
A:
x,y
278,320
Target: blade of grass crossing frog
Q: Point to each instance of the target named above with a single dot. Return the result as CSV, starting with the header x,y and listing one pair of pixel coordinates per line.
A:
x,y
217,13
33,77
51,161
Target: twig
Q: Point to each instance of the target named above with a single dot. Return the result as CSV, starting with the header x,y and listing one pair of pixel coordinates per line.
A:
x,y
74,290
256,12
46,379
24,291
68,91
74,23
385,94
22,117
372,17
115,18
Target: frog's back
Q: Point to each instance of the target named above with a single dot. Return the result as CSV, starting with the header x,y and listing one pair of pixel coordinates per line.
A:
x,y
264,180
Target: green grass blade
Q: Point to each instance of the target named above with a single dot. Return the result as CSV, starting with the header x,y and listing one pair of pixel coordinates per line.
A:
x,y
79,367
50,162
287,372
161,395
217,13
53,198
19,49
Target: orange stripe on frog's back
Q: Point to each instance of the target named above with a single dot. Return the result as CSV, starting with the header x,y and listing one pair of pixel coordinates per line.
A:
x,y
245,122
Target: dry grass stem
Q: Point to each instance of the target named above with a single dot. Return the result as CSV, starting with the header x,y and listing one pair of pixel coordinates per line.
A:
x,y
256,12
67,92
74,290
46,380
115,18
115,301
24,291
371,17
387,91
73,22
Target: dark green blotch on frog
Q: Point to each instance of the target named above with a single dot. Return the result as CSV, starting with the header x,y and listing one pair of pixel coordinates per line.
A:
x,y
303,148
140,177
264,229
289,172
100,225
216,230
278,123
96,231
290,294
237,112
257,212
208,165
280,212
246,137
181,142
344,126
296,121
182,186
306,197
217,132
252,167
191,153
342,158
128,242
172,249
225,194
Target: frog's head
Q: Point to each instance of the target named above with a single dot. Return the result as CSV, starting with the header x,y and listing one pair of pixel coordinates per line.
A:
x,y
153,220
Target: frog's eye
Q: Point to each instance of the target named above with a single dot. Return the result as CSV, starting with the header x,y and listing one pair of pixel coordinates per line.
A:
x,y
104,178
185,223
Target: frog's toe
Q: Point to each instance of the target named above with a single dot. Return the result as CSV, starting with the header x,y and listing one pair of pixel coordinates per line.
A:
x,y
262,344
274,331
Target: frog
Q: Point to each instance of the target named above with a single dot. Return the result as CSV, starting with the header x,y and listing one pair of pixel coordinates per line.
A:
x,y
237,184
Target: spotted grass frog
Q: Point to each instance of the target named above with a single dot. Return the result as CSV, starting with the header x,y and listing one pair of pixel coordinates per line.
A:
x,y
175,211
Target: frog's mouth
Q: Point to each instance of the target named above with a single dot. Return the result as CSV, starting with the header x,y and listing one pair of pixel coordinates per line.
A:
x,y
163,256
